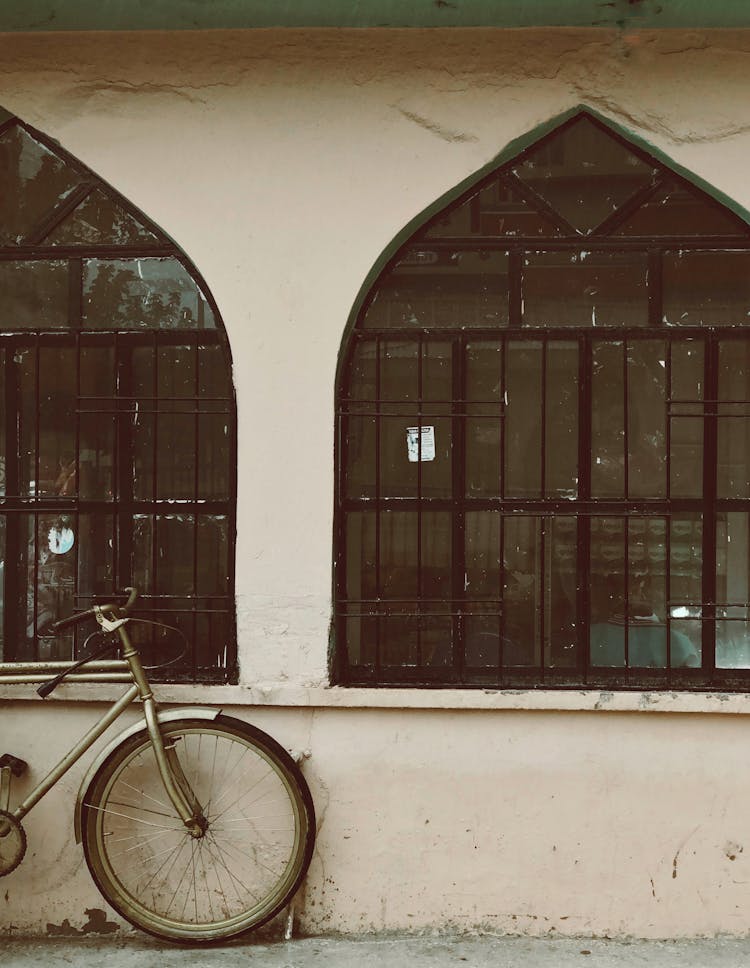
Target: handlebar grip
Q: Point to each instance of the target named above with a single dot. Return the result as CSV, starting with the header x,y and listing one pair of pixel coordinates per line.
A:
x,y
63,623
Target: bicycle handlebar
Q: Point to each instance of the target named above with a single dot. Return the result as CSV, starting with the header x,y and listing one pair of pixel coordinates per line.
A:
x,y
121,611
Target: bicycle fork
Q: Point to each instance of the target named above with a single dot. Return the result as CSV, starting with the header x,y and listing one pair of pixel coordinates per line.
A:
x,y
173,776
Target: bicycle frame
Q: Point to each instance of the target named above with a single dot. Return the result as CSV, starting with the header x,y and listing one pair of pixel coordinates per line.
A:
x,y
175,783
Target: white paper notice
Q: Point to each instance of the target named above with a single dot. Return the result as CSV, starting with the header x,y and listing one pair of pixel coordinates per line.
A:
x,y
428,443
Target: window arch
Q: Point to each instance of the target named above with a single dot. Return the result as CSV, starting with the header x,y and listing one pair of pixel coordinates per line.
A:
x,y
543,456
117,441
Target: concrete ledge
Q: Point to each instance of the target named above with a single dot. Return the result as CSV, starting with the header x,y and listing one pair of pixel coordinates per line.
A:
x,y
336,697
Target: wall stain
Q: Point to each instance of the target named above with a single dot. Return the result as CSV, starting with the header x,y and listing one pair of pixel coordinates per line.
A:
x,y
97,923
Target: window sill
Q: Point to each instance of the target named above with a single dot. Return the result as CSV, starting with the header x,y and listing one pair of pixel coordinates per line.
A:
x,y
337,697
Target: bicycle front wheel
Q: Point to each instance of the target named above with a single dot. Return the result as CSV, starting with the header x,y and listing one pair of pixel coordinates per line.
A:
x,y
254,853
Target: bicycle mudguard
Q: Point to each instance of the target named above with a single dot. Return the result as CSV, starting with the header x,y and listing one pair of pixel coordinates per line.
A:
x,y
163,716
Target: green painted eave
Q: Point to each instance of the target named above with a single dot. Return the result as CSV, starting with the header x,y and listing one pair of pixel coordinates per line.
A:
x,y
64,15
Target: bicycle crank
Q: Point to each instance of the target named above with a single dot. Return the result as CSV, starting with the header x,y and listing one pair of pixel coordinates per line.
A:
x,y
12,843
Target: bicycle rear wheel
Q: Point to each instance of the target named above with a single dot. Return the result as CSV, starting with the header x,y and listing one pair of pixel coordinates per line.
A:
x,y
252,858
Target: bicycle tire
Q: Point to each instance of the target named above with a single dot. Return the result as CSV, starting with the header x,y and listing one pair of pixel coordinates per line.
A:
x,y
197,890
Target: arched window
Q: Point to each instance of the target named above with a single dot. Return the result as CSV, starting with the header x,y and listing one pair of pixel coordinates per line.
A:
x,y
544,432
117,435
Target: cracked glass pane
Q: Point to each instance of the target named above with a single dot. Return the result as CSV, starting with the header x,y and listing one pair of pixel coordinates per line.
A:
x,y
585,289
150,293
98,220
584,173
34,181
677,210
494,210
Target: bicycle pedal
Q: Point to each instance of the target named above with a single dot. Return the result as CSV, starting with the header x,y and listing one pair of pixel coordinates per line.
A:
x,y
17,766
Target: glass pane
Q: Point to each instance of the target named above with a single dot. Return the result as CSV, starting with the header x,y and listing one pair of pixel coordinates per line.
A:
x,y
631,623
212,555
54,574
34,295
164,563
523,420
399,550
98,220
436,578
95,541
707,288
482,583
123,294
215,424
176,458
733,474
361,373
522,590
584,173
25,366
560,588
481,626
358,443
57,405
608,420
3,656
647,592
607,585
399,581
437,377
496,209
143,423
436,288
399,373
733,590
415,452
398,463
585,289
3,454
647,418
676,209
482,551
484,421
436,472
34,181
361,566
97,423
686,425
359,449
561,420
361,587
685,589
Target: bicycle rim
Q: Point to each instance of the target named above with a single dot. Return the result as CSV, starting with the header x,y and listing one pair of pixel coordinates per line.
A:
x,y
255,851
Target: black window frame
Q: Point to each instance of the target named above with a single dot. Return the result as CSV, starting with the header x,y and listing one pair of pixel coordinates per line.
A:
x,y
563,239
195,614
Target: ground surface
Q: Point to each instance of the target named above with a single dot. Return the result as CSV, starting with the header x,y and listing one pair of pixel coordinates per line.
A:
x,y
137,952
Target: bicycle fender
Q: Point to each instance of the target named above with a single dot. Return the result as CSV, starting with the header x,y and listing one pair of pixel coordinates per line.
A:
x,y
164,716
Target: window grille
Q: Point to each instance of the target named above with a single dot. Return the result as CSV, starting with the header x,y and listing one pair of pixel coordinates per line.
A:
x,y
543,446
117,444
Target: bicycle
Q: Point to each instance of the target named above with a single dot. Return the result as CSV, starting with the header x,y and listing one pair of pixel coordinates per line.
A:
x,y
196,826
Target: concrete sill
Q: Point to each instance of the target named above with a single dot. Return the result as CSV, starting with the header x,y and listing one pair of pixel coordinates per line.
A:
x,y
326,697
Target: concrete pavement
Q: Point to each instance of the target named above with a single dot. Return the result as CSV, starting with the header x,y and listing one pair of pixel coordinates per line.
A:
x,y
131,951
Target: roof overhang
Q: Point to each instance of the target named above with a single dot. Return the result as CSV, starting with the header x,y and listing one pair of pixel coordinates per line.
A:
x,y
65,15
